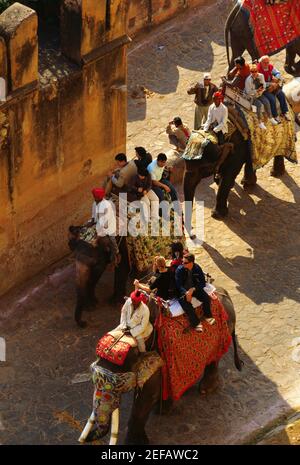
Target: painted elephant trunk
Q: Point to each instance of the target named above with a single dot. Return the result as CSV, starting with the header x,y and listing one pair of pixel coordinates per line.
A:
x,y
230,20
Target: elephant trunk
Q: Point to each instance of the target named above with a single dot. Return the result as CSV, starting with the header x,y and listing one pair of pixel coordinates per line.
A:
x,y
229,22
114,427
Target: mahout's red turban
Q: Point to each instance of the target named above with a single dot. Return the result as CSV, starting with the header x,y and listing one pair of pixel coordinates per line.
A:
x,y
137,297
98,193
219,95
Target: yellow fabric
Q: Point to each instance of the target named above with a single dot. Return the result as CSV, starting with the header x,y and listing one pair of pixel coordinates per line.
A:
x,y
276,140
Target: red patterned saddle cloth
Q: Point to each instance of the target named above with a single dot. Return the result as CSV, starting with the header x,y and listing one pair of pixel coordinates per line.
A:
x,y
116,354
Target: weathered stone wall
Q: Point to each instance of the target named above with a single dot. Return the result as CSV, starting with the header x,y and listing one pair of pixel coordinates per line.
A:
x,y
56,141
147,13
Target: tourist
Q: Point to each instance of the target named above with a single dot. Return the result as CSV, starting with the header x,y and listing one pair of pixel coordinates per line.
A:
x,y
139,188
161,185
203,99
254,87
273,90
238,75
179,133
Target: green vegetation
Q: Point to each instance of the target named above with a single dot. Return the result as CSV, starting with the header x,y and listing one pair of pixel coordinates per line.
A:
x,y
5,4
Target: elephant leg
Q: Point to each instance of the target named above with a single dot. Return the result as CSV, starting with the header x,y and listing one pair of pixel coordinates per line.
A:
x,y
82,283
142,406
190,182
278,169
290,59
96,274
226,184
210,379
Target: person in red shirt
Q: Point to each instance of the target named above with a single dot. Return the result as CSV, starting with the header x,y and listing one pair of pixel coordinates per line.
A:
x,y
239,74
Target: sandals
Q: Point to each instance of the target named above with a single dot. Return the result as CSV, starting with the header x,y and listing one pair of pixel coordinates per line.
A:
x,y
199,328
210,321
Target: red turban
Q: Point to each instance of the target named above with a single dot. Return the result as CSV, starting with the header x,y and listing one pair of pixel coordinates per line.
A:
x,y
98,193
218,95
137,297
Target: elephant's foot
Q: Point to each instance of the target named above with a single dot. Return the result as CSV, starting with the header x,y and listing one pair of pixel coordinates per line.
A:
x,y
249,181
219,214
210,381
278,169
277,173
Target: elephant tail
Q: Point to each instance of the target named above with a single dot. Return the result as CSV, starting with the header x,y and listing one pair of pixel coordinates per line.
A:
x,y
237,361
229,22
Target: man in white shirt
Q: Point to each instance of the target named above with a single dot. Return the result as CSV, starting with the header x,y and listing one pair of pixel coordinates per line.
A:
x,y
217,118
159,184
135,318
103,215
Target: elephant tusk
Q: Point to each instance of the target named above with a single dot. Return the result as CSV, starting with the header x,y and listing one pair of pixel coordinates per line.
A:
x,y
87,428
114,427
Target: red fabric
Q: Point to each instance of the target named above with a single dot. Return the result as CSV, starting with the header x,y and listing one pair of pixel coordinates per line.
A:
x,y
273,26
117,354
267,73
137,297
98,193
186,355
218,95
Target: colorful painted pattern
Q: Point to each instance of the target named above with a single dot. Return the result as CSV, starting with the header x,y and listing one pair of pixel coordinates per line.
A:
x,y
273,26
187,354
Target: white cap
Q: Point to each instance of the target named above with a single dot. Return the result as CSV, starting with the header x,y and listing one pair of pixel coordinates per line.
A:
x,y
206,76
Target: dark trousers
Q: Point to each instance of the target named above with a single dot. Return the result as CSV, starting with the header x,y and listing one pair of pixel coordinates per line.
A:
x,y
201,295
272,99
160,192
221,138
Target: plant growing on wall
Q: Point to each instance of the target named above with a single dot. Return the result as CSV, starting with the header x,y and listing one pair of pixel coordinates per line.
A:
x,y
5,4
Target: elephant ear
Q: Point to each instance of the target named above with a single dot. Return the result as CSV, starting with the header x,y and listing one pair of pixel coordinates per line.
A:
x,y
149,363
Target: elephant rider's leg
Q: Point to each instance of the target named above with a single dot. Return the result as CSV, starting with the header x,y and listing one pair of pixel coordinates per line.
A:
x,y
141,344
225,150
189,310
201,295
111,246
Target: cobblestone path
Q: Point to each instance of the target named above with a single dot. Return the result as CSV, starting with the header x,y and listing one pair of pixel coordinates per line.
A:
x,y
254,254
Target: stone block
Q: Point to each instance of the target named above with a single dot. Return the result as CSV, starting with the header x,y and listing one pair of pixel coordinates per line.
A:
x,y
87,25
18,27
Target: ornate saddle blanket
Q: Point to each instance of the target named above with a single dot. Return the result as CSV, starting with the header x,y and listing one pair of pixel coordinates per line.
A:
x,y
113,352
186,354
274,26
199,140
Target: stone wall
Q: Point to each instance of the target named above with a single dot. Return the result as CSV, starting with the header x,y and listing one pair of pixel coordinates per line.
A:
x,y
146,13
56,140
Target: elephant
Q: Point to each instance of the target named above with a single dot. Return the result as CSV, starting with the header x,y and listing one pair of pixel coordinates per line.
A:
x,y
241,39
91,263
149,396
